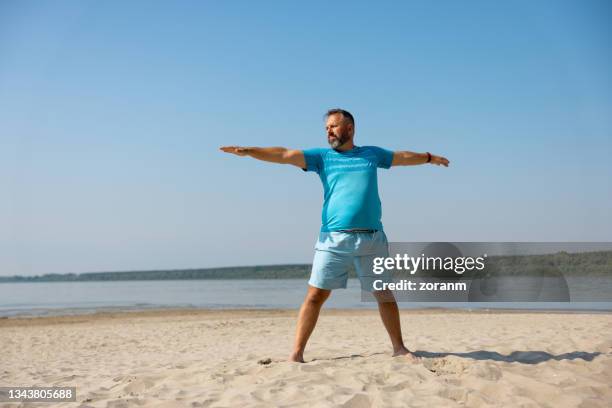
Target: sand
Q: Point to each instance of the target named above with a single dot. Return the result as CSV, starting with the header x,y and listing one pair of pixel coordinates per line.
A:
x,y
236,359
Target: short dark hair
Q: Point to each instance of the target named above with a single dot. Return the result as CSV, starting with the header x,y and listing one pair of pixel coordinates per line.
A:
x,y
345,114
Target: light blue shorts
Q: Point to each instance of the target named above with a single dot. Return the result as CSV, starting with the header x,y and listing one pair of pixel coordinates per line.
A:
x,y
336,251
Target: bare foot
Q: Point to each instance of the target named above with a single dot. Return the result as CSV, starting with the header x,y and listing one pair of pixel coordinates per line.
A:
x,y
407,354
296,358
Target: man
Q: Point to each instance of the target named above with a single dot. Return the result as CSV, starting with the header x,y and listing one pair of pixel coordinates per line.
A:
x,y
351,229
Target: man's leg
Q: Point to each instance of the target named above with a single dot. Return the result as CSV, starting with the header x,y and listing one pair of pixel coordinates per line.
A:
x,y
389,313
329,270
387,306
307,319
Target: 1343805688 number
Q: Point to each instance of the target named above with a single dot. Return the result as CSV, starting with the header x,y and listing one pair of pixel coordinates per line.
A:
x,y
37,394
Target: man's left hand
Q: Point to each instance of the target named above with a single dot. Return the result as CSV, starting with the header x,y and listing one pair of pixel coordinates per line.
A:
x,y
439,160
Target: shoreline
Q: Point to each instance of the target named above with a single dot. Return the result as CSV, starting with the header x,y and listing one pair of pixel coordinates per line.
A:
x,y
238,313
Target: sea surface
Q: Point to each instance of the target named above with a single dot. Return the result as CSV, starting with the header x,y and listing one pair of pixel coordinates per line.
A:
x,y
67,298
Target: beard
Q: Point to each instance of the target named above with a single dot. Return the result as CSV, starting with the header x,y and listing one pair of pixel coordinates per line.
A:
x,y
339,140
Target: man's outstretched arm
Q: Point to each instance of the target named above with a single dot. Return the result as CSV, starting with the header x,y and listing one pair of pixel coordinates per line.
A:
x,y
270,154
406,158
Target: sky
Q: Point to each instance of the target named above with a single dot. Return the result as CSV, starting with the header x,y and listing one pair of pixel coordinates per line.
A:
x,y
112,113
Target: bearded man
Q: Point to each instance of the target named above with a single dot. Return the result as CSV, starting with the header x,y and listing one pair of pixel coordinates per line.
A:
x,y
351,229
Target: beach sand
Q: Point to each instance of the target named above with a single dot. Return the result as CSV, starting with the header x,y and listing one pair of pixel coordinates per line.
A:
x,y
190,358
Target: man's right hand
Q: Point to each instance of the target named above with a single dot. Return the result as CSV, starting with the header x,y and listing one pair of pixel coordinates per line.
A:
x,y
270,154
237,150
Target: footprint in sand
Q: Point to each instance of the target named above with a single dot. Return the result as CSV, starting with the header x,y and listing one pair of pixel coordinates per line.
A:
x,y
139,386
486,371
446,365
357,401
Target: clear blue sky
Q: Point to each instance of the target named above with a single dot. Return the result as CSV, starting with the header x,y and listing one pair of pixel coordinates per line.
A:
x,y
111,114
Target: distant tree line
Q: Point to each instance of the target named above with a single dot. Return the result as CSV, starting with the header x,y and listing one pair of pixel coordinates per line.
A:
x,y
597,263
238,272
583,263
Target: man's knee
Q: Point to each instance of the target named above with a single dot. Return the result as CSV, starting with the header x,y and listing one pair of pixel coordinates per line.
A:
x,y
317,296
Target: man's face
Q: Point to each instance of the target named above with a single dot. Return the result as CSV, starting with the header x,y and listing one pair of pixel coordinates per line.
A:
x,y
338,130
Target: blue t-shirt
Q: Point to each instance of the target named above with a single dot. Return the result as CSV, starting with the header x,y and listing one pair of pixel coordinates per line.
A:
x,y
350,185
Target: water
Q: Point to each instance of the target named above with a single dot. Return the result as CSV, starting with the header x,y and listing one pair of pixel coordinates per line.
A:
x,y
63,298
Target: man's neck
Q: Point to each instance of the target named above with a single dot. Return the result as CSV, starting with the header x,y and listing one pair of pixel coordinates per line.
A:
x,y
346,147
